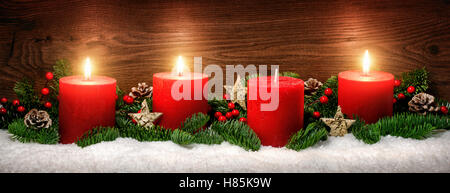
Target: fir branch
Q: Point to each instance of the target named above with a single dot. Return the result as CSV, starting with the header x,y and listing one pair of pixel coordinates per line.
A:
x,y
207,136
26,135
98,135
326,110
289,74
194,123
218,105
237,133
369,134
405,125
61,69
181,137
308,137
24,89
417,78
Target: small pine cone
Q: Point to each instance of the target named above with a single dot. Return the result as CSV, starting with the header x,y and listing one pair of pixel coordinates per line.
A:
x,y
422,103
143,90
37,119
311,86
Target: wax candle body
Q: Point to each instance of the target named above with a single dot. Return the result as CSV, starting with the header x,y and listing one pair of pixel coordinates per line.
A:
x,y
274,128
85,104
368,96
176,111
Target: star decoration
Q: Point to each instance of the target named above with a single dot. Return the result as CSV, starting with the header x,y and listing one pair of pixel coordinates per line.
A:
x,y
338,124
238,92
145,118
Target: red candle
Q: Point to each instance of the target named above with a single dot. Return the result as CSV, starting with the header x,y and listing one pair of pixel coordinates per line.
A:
x,y
85,103
175,110
275,127
366,94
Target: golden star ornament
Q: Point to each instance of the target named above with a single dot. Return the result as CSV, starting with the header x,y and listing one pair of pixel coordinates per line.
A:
x,y
145,118
338,124
237,92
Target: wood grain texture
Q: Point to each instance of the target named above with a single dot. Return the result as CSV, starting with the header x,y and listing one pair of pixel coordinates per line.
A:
x,y
132,40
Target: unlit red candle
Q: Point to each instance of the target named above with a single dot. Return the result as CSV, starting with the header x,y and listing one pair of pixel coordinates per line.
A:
x,y
274,128
85,104
176,110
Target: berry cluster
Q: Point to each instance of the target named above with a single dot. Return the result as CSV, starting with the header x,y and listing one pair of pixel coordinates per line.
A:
x,y
401,96
324,100
229,115
15,103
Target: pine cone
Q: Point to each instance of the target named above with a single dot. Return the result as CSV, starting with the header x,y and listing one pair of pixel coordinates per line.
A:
x,y
311,86
143,90
422,103
37,119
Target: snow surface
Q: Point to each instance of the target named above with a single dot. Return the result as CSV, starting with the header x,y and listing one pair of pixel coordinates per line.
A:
x,y
337,154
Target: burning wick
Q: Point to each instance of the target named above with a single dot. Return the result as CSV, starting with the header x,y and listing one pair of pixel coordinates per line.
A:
x,y
87,69
366,63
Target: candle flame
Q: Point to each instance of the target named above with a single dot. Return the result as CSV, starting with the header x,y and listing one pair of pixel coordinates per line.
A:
x,y
180,65
87,69
366,63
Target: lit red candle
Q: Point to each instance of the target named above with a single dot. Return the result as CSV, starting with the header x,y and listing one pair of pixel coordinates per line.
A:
x,y
177,108
275,127
85,102
367,94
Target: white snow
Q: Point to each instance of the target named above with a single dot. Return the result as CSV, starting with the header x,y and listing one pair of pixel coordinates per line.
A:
x,y
337,154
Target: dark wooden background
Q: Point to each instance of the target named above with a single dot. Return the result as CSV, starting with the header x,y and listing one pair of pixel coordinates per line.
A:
x,y
132,40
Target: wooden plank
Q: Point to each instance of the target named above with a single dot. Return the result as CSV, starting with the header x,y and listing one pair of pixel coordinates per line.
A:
x,y
132,40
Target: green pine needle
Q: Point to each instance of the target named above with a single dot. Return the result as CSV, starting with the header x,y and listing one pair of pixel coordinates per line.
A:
x,y
181,137
194,123
98,135
290,74
207,136
308,137
26,135
405,125
237,133
24,90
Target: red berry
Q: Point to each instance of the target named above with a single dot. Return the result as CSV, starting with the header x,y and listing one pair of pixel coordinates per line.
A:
x,y
128,100
226,96
243,119
140,110
235,112
328,91
316,114
16,102
2,111
401,96
217,114
229,115
4,100
222,118
394,100
49,75
444,110
323,99
21,109
45,91
134,121
397,83
411,89
231,105
48,105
